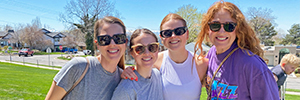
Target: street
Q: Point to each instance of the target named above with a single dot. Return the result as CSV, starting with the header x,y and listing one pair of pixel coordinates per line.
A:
x,y
40,59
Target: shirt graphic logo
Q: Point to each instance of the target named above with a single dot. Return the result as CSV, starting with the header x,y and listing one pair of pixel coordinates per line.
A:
x,y
222,91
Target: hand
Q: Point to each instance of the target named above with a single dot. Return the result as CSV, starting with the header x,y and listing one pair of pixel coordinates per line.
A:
x,y
129,74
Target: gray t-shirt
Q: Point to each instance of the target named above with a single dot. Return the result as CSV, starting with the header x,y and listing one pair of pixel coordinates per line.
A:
x,y
143,89
97,84
277,70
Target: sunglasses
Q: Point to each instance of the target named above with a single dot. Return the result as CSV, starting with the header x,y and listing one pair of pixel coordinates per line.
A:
x,y
104,40
177,31
216,26
140,49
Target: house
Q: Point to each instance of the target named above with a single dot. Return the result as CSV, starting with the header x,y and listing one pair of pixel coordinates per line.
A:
x,y
5,39
54,37
274,54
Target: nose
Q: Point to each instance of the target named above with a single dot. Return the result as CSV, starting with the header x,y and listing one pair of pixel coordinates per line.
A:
x,y
222,30
146,51
173,34
112,42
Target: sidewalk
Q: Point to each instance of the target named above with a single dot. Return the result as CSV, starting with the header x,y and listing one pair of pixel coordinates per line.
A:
x,y
31,65
291,81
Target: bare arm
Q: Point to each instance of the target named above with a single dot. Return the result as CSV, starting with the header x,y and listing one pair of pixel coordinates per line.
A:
x,y
275,77
55,92
201,65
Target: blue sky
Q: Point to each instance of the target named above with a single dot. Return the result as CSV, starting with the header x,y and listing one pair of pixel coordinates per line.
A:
x,y
140,13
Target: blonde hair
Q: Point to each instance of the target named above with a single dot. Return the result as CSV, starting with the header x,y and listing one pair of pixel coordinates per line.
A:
x,y
245,36
110,20
172,16
290,59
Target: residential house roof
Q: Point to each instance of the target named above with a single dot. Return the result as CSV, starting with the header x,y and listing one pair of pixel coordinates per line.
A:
x,y
52,34
2,34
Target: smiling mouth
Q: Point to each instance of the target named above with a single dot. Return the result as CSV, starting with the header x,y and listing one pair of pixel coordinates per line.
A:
x,y
174,42
147,59
112,51
224,38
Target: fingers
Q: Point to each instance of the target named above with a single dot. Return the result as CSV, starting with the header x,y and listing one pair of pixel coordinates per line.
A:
x,y
129,74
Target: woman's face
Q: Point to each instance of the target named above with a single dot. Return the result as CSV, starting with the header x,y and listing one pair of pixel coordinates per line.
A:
x,y
147,58
222,39
174,42
111,51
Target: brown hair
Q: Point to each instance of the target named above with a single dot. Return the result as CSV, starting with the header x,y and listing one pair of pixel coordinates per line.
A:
x,y
246,38
110,20
172,16
138,32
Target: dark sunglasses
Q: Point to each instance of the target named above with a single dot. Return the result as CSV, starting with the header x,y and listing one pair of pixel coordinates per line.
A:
x,y
216,26
104,40
140,49
168,33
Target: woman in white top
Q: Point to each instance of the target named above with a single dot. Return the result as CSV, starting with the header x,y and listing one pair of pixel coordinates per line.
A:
x,y
182,71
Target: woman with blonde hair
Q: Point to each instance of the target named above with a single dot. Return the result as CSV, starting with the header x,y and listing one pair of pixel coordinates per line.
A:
x,y
103,74
236,69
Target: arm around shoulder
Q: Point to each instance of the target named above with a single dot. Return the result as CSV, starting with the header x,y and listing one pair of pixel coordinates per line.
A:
x,y
201,65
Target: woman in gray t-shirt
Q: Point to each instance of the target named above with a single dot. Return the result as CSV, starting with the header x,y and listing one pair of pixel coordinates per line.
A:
x,y
104,70
144,49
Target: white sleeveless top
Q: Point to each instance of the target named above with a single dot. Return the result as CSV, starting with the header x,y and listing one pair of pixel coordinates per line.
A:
x,y
179,83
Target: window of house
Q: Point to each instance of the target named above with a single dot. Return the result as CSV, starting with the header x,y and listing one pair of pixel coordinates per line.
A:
x,y
56,39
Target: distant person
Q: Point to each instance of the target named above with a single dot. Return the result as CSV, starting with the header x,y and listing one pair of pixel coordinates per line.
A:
x,y
288,64
148,86
182,71
104,71
236,70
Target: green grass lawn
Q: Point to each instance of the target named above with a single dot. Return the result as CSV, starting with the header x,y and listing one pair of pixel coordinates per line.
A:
x,y
22,82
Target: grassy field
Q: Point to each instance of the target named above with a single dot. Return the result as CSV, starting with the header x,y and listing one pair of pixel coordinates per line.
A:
x,y
20,82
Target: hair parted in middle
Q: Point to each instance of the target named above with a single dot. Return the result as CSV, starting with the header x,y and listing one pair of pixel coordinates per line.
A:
x,y
246,37
110,20
138,32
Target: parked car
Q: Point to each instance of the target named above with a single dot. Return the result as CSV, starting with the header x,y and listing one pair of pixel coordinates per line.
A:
x,y
66,49
86,52
25,52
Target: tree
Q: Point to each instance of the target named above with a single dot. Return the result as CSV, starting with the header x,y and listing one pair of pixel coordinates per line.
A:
x,y
293,37
260,19
34,38
267,33
192,18
82,14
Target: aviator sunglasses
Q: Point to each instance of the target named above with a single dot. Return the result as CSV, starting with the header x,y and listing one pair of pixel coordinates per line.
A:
x,y
177,31
216,26
140,49
104,40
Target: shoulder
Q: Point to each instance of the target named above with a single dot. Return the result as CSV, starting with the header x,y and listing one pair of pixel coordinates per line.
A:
x,y
156,72
253,64
125,85
75,64
201,66
159,60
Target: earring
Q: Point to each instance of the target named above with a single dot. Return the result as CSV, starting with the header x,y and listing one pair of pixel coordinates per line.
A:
x,y
95,41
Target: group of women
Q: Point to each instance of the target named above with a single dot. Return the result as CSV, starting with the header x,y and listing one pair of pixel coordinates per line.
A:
x,y
232,69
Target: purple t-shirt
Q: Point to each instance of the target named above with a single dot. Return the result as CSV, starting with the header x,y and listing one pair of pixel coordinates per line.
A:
x,y
241,77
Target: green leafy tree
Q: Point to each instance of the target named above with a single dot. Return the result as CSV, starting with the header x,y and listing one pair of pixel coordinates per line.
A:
x,y
293,37
267,33
193,19
262,22
83,14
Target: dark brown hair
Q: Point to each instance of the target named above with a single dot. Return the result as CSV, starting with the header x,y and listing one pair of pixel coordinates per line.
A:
x,y
138,32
